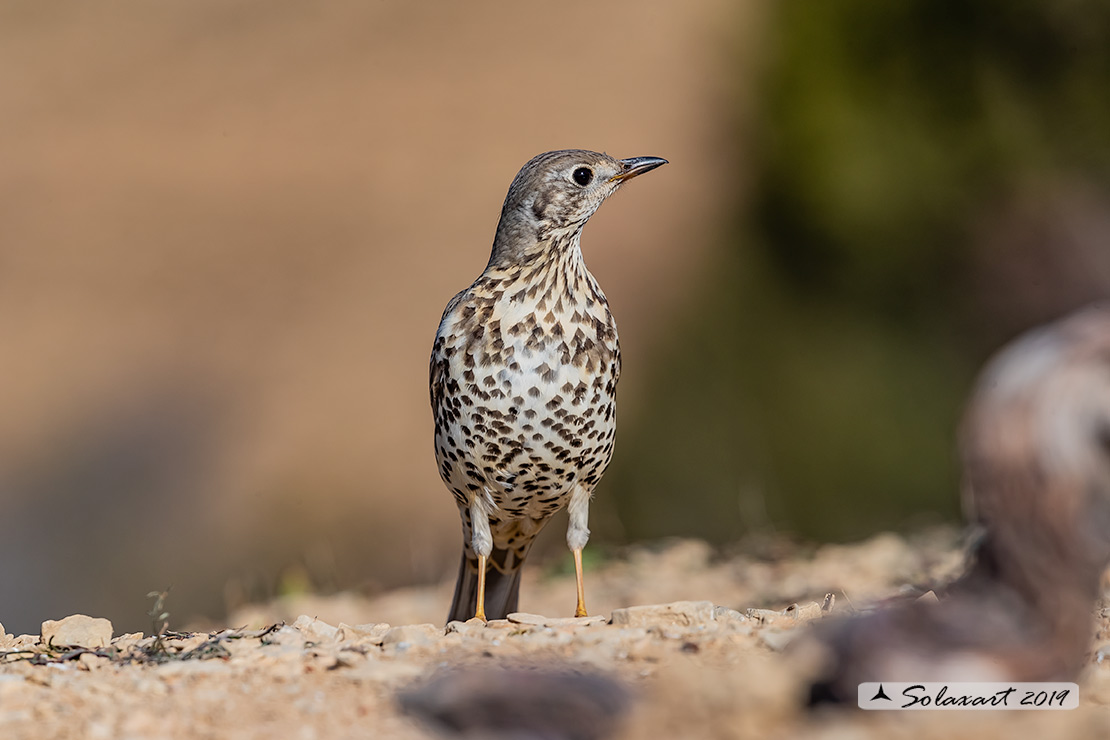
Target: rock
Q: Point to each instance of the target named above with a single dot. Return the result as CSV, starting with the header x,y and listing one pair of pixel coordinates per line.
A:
x,y
470,628
804,612
794,613
77,631
537,620
929,597
764,616
412,634
315,630
724,615
90,662
776,639
369,633
678,613
23,642
285,635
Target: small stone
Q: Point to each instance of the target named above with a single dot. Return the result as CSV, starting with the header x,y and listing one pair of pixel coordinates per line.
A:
x,y
679,613
285,635
929,597
725,615
764,616
186,642
363,633
315,630
804,612
470,628
23,642
90,662
77,630
537,620
526,618
777,640
412,634
128,641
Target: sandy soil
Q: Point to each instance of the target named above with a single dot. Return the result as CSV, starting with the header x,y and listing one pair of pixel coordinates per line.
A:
x,y
335,669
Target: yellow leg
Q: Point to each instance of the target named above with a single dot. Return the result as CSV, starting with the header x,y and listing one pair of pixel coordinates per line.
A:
x,y
580,610
480,610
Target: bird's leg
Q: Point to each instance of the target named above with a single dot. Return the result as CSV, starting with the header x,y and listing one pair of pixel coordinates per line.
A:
x,y
480,609
482,542
578,533
580,610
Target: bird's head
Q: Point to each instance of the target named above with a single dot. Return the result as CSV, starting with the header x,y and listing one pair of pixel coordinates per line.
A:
x,y
553,196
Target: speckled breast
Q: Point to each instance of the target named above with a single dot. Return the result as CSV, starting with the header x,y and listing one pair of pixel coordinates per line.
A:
x,y
523,393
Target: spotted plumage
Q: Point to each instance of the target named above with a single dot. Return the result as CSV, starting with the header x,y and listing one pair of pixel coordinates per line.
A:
x,y
524,374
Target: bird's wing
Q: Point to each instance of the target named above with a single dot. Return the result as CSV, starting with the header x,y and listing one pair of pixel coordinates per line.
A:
x,y
437,366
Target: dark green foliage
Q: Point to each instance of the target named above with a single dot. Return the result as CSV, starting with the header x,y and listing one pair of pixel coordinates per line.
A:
x,y
817,384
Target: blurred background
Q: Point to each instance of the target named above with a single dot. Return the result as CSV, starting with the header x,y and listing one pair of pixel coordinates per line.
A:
x,y
228,231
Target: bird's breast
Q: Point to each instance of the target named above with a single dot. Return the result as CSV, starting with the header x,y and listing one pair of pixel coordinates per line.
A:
x,y
530,396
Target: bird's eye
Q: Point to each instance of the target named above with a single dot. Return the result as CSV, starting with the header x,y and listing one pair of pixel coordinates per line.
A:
x,y
583,175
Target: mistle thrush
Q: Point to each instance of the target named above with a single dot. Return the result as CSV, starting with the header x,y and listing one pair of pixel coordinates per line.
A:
x,y
524,374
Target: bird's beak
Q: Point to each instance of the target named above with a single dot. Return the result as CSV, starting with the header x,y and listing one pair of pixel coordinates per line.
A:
x,y
636,166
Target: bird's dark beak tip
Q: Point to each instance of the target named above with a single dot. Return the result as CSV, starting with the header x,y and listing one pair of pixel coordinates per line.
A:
x,y
636,166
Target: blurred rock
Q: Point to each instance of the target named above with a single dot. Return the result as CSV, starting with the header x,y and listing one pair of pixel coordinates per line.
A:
x,y
553,703
764,616
315,630
724,615
77,630
679,613
90,662
370,633
777,639
804,612
412,635
541,621
468,628
286,635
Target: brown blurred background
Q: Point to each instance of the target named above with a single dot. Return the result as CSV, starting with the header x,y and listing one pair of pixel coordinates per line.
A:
x,y
228,230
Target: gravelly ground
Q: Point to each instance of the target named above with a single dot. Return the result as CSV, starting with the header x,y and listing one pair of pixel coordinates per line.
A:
x,y
693,670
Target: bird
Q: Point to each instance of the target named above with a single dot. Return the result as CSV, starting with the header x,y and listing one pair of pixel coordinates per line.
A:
x,y
1035,449
523,379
